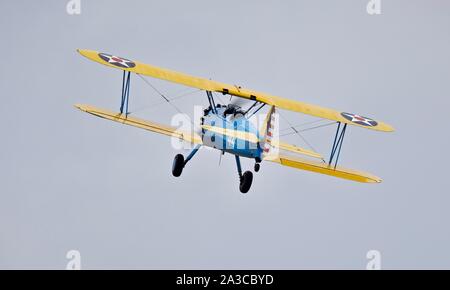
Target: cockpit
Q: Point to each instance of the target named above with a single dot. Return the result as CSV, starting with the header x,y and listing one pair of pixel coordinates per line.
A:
x,y
234,110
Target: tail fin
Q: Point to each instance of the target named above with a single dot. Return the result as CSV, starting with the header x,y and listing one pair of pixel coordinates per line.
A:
x,y
269,133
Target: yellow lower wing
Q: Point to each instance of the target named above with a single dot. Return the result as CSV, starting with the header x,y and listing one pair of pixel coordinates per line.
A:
x,y
214,86
296,149
323,168
143,124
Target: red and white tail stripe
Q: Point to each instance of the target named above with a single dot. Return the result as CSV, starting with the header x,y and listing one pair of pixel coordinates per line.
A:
x,y
270,132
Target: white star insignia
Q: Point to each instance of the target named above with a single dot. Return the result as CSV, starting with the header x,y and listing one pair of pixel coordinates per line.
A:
x,y
117,60
360,119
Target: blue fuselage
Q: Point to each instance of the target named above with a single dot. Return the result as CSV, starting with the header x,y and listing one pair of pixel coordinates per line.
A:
x,y
221,117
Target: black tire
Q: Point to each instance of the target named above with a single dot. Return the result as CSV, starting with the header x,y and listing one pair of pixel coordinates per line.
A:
x,y
246,181
178,165
257,167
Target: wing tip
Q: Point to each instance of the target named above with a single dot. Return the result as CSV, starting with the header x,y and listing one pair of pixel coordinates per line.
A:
x,y
374,180
388,128
81,107
381,127
86,53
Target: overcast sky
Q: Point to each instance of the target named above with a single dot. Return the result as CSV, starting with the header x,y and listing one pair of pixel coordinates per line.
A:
x,y
73,181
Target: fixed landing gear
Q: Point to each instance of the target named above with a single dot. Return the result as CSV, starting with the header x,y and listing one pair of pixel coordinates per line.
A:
x,y
178,165
179,162
246,179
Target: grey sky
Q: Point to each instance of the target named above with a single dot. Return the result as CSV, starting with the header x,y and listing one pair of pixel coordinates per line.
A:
x,y
72,181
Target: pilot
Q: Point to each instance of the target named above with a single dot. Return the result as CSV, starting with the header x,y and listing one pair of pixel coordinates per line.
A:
x,y
234,110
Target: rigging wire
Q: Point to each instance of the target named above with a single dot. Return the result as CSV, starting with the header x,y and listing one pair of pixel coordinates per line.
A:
x,y
308,129
300,135
153,105
302,125
161,94
166,99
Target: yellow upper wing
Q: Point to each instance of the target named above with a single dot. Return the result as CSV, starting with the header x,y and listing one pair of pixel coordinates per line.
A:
x,y
143,124
209,85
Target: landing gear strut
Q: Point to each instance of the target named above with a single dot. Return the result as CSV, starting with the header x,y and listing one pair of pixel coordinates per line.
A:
x,y
245,179
179,162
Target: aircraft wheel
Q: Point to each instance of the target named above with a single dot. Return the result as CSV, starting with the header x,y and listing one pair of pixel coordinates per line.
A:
x,y
257,167
178,165
246,181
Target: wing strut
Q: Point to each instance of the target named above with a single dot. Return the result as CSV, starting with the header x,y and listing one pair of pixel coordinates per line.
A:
x,y
257,110
212,104
251,107
337,144
125,92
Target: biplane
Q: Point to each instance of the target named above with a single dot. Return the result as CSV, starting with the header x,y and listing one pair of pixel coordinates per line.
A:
x,y
227,127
